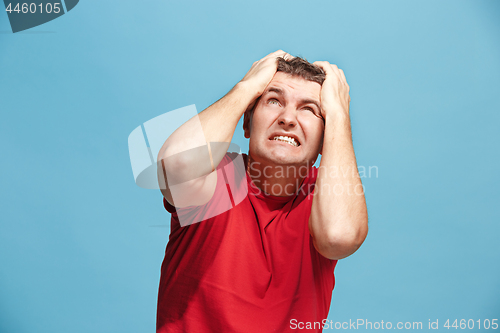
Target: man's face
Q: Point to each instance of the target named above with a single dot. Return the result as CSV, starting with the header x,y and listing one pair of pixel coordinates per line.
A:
x,y
286,127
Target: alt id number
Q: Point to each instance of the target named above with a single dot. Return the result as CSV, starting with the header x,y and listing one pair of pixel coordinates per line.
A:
x,y
34,8
469,324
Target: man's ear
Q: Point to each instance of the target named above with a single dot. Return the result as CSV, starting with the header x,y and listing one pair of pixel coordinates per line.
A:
x,y
247,119
247,122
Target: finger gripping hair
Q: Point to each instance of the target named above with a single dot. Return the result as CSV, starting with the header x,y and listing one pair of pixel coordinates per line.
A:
x,y
302,68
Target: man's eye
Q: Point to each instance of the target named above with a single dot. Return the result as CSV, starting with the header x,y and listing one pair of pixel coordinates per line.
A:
x,y
310,109
273,101
317,114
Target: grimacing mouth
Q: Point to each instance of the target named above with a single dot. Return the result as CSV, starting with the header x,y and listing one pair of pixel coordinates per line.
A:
x,y
287,139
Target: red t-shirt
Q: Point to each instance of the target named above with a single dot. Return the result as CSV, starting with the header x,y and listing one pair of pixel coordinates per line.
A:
x,y
252,268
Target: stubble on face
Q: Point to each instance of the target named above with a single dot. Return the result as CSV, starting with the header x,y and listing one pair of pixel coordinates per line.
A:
x,y
286,128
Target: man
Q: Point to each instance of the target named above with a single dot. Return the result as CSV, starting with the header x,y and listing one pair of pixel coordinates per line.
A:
x,y
253,245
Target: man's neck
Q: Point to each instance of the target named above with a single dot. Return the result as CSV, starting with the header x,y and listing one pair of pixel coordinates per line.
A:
x,y
276,180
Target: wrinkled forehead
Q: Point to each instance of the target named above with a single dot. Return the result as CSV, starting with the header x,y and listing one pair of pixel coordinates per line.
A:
x,y
292,86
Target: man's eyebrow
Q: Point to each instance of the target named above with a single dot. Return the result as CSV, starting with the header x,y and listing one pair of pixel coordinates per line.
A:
x,y
311,101
281,92
275,90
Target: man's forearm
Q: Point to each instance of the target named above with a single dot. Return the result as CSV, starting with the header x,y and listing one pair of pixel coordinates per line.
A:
x,y
186,151
186,155
339,220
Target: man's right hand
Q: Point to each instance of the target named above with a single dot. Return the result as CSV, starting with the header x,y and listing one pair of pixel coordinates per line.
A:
x,y
263,70
186,161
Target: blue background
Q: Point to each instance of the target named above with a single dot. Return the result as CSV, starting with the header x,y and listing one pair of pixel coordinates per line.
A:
x,y
81,245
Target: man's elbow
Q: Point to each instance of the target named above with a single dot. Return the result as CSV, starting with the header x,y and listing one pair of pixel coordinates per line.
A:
x,y
339,244
184,166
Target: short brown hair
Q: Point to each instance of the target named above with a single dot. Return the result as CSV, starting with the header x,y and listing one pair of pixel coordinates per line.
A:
x,y
302,68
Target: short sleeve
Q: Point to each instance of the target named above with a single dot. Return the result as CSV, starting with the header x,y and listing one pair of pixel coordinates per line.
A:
x,y
229,191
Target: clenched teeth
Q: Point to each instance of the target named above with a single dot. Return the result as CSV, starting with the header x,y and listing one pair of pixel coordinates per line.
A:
x,y
287,139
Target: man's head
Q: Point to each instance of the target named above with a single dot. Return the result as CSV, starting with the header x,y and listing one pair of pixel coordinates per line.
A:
x,y
286,126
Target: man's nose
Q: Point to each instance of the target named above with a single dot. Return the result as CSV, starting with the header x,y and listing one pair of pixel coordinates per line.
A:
x,y
288,118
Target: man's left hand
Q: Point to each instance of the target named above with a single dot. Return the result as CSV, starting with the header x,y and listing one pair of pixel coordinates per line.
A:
x,y
335,97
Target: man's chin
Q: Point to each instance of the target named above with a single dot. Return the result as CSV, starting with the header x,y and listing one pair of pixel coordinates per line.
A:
x,y
282,157
286,160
